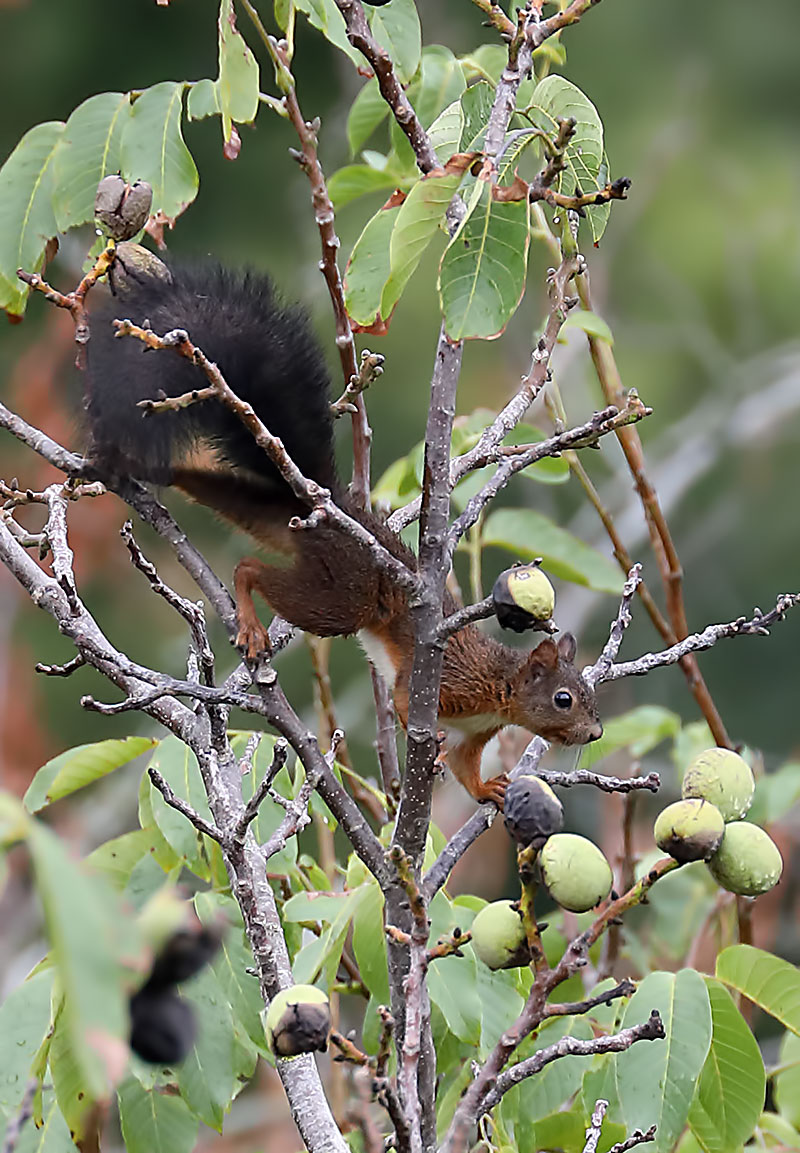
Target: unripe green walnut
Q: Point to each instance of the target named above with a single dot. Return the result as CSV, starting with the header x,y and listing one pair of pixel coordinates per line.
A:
x,y
523,596
689,830
498,937
748,861
575,872
723,778
532,811
298,1021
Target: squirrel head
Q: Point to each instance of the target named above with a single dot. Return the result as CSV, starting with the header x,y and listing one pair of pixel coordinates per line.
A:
x,y
551,697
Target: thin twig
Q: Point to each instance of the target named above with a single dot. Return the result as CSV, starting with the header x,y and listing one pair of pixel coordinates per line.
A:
x,y
17,1123
759,625
75,301
324,508
280,752
323,214
661,539
650,1030
184,808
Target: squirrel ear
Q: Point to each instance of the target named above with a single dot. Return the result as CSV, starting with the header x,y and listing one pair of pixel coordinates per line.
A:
x,y
543,657
567,647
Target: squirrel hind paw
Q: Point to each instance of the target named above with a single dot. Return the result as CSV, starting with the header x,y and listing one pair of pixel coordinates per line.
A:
x,y
253,639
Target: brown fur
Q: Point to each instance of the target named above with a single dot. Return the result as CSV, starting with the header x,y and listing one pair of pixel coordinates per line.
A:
x,y
325,583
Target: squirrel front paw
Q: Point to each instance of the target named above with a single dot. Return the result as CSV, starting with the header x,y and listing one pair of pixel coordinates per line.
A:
x,y
253,639
493,790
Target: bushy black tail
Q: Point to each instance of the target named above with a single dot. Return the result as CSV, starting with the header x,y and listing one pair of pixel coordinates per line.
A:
x,y
264,349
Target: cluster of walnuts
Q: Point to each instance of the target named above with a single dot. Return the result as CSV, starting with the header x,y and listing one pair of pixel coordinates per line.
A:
x,y
705,825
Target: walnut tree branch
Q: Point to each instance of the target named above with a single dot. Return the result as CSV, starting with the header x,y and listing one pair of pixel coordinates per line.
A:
x,y
324,508
650,1030
759,625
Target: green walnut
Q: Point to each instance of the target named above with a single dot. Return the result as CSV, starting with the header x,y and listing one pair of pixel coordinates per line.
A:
x,y
532,811
298,1021
689,830
498,937
723,778
576,873
748,861
523,598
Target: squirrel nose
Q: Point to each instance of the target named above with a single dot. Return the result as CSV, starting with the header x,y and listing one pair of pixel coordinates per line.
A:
x,y
596,731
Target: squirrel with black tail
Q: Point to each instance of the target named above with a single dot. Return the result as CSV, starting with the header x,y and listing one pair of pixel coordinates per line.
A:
x,y
323,581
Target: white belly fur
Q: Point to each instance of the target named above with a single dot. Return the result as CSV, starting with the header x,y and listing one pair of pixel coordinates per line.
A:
x,y
457,730
377,656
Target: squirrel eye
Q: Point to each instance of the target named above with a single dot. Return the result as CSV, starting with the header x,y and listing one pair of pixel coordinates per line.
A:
x,y
562,699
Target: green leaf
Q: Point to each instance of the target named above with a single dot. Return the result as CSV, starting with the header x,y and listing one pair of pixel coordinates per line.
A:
x,y
453,989
153,149
356,180
368,269
270,813
787,1083
78,767
488,60
730,1092
500,1000
238,83
772,983
284,10
482,272
24,1021
206,1077
72,1087
203,99
553,99
324,952
178,765
117,858
90,937
326,17
163,855
89,150
13,820
776,794
641,728
445,132
477,103
367,111
27,220
154,1122
567,1131
775,1132
590,323
656,1080
369,943
556,1083
231,962
528,534
417,222
396,28
441,83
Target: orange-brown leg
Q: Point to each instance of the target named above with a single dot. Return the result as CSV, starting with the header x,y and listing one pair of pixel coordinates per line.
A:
x,y
252,636
464,760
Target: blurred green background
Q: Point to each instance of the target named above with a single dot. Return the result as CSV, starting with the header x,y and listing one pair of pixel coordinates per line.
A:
x,y
698,275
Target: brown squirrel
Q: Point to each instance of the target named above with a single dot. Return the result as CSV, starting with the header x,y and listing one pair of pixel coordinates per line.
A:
x,y
322,581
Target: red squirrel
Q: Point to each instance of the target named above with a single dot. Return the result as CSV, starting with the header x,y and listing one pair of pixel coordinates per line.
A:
x,y
322,580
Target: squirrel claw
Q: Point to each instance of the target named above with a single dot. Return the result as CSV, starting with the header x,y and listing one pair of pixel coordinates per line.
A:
x,y
253,639
495,790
